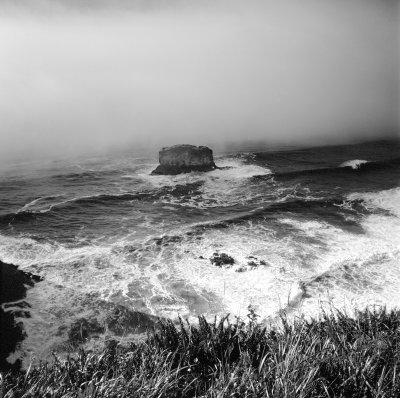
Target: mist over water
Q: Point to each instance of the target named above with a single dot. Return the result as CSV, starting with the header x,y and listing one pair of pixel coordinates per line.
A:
x,y
106,84
79,77
306,228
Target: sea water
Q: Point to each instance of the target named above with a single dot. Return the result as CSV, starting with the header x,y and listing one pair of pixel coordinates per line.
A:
x,y
307,229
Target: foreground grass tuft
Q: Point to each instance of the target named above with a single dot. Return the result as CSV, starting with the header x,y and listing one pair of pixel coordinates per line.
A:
x,y
335,356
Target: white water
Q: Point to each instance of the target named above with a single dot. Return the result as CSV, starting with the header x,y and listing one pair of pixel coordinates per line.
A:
x,y
219,187
335,267
354,164
360,269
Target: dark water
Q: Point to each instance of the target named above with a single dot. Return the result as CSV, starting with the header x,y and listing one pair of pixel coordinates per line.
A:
x,y
306,227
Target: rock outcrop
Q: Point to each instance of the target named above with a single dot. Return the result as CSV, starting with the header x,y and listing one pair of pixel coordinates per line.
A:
x,y
179,159
221,259
13,287
123,321
83,329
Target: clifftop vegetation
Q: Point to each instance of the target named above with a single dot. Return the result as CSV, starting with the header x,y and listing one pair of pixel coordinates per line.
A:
x,y
334,356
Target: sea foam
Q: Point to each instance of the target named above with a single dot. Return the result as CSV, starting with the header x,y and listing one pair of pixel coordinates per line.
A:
x,y
226,186
354,164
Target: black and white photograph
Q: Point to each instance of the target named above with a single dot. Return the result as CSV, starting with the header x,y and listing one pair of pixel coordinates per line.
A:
x,y
199,198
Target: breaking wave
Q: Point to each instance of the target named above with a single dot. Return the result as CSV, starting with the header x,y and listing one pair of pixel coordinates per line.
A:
x,y
348,167
300,238
354,164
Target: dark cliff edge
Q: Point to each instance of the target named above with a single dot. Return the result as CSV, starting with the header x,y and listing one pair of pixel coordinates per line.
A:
x,y
13,286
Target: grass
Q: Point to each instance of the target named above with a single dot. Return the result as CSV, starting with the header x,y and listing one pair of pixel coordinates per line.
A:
x,y
334,356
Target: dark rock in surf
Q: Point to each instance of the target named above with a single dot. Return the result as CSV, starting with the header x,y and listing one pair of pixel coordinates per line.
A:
x,y
109,317
255,262
221,259
83,329
13,287
179,159
122,321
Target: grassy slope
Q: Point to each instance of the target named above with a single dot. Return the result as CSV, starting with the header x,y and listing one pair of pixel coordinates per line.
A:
x,y
336,356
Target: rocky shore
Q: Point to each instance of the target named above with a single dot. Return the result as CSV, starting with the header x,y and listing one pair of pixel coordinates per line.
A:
x,y
13,286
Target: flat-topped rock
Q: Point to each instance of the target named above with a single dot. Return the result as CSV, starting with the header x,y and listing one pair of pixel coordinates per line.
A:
x,y
179,159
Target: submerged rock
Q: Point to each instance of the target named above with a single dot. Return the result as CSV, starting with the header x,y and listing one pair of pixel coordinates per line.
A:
x,y
179,159
83,329
252,264
118,320
123,321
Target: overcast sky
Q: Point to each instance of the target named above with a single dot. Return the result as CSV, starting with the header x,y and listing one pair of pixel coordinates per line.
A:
x,y
75,77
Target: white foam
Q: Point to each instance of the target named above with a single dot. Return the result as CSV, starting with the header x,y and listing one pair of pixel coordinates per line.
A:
x,y
228,169
356,270
236,169
71,277
46,204
290,262
388,199
42,204
354,164
268,288
362,269
168,279
220,187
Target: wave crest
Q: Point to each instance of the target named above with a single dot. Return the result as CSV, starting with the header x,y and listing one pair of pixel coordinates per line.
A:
x,y
354,164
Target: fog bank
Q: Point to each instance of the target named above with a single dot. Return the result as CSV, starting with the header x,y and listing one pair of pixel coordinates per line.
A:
x,y
76,78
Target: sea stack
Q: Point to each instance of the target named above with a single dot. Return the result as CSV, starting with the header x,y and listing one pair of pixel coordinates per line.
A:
x,y
179,159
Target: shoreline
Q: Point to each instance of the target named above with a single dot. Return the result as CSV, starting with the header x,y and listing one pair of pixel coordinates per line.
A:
x,y
14,284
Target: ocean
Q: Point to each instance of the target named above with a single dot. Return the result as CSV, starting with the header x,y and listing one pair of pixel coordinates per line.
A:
x,y
308,229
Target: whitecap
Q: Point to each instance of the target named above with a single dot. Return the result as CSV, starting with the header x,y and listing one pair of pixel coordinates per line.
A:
x,y
352,271
225,186
41,204
354,164
388,199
